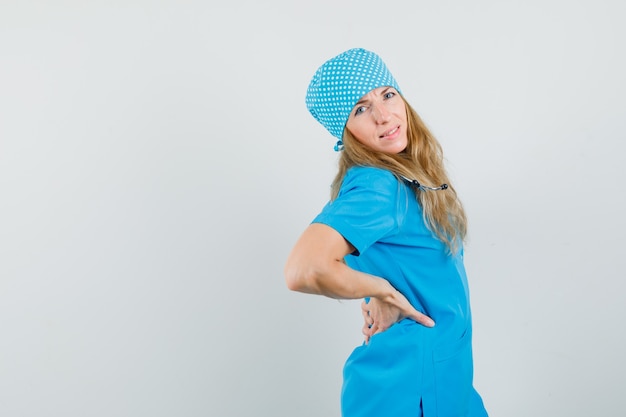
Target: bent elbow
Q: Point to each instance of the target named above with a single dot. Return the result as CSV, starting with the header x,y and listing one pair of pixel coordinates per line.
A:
x,y
293,278
293,284
300,279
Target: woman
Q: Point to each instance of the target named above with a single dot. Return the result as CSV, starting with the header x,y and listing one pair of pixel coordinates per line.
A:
x,y
392,236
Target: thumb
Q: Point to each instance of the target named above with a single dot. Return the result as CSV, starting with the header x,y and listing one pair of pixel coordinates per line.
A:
x,y
421,318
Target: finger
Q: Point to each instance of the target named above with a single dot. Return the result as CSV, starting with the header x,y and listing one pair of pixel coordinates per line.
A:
x,y
422,319
366,316
382,327
365,308
367,331
374,328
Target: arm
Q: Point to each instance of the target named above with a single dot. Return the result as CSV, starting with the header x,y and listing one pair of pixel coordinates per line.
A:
x,y
315,266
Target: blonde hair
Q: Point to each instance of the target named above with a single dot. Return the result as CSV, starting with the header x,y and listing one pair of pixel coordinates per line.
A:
x,y
422,160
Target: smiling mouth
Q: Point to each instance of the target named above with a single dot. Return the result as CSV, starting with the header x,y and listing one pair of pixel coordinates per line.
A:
x,y
390,132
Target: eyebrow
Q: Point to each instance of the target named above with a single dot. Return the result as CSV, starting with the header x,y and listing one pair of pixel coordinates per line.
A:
x,y
365,100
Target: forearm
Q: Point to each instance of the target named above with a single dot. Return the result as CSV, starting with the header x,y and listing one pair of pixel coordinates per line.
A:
x,y
315,266
336,280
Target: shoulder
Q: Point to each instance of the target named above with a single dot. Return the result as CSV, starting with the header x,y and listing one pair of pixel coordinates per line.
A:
x,y
369,177
367,207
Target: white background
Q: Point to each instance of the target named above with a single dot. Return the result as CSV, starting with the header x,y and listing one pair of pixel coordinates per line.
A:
x,y
157,163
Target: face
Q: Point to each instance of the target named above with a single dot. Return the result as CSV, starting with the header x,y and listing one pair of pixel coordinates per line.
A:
x,y
378,121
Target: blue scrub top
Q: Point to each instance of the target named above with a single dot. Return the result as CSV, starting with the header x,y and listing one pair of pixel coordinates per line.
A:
x,y
408,369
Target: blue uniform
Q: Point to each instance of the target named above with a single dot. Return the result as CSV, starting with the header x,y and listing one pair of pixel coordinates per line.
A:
x,y
408,370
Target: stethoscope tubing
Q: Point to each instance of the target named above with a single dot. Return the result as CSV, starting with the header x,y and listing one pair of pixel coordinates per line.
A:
x,y
419,186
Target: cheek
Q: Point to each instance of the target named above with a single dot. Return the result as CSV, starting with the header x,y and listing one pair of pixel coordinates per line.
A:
x,y
401,112
359,130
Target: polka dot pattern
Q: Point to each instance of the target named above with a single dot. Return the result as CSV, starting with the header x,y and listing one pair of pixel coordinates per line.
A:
x,y
340,82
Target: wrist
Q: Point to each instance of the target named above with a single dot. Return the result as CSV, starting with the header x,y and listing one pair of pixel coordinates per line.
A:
x,y
384,290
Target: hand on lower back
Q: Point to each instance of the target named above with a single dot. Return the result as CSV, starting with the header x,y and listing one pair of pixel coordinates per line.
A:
x,y
379,315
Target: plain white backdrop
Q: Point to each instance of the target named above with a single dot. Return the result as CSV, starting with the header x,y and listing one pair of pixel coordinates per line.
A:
x,y
157,163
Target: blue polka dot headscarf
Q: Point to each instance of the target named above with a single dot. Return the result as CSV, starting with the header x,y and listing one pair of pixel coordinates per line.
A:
x,y
340,82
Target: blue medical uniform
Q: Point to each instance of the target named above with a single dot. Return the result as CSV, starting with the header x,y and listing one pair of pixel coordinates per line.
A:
x,y
408,370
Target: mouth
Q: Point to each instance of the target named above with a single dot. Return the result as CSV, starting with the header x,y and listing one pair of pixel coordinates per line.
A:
x,y
391,133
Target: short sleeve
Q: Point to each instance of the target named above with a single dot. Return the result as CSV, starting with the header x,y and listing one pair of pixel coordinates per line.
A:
x,y
366,209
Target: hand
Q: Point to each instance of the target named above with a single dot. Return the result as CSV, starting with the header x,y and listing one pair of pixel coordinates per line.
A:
x,y
379,315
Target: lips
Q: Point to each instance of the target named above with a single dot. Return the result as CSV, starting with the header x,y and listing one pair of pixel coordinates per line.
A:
x,y
390,132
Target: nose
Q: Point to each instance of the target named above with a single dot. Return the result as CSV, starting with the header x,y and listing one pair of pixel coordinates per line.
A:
x,y
380,113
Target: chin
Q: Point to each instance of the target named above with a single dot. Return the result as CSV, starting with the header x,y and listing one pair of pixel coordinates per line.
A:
x,y
395,151
400,148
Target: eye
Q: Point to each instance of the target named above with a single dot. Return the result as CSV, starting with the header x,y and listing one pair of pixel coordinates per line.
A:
x,y
389,94
359,110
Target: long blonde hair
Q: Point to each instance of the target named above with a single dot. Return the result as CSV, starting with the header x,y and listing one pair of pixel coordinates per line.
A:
x,y
422,160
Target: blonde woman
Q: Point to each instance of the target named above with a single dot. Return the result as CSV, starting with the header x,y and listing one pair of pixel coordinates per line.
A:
x,y
392,234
